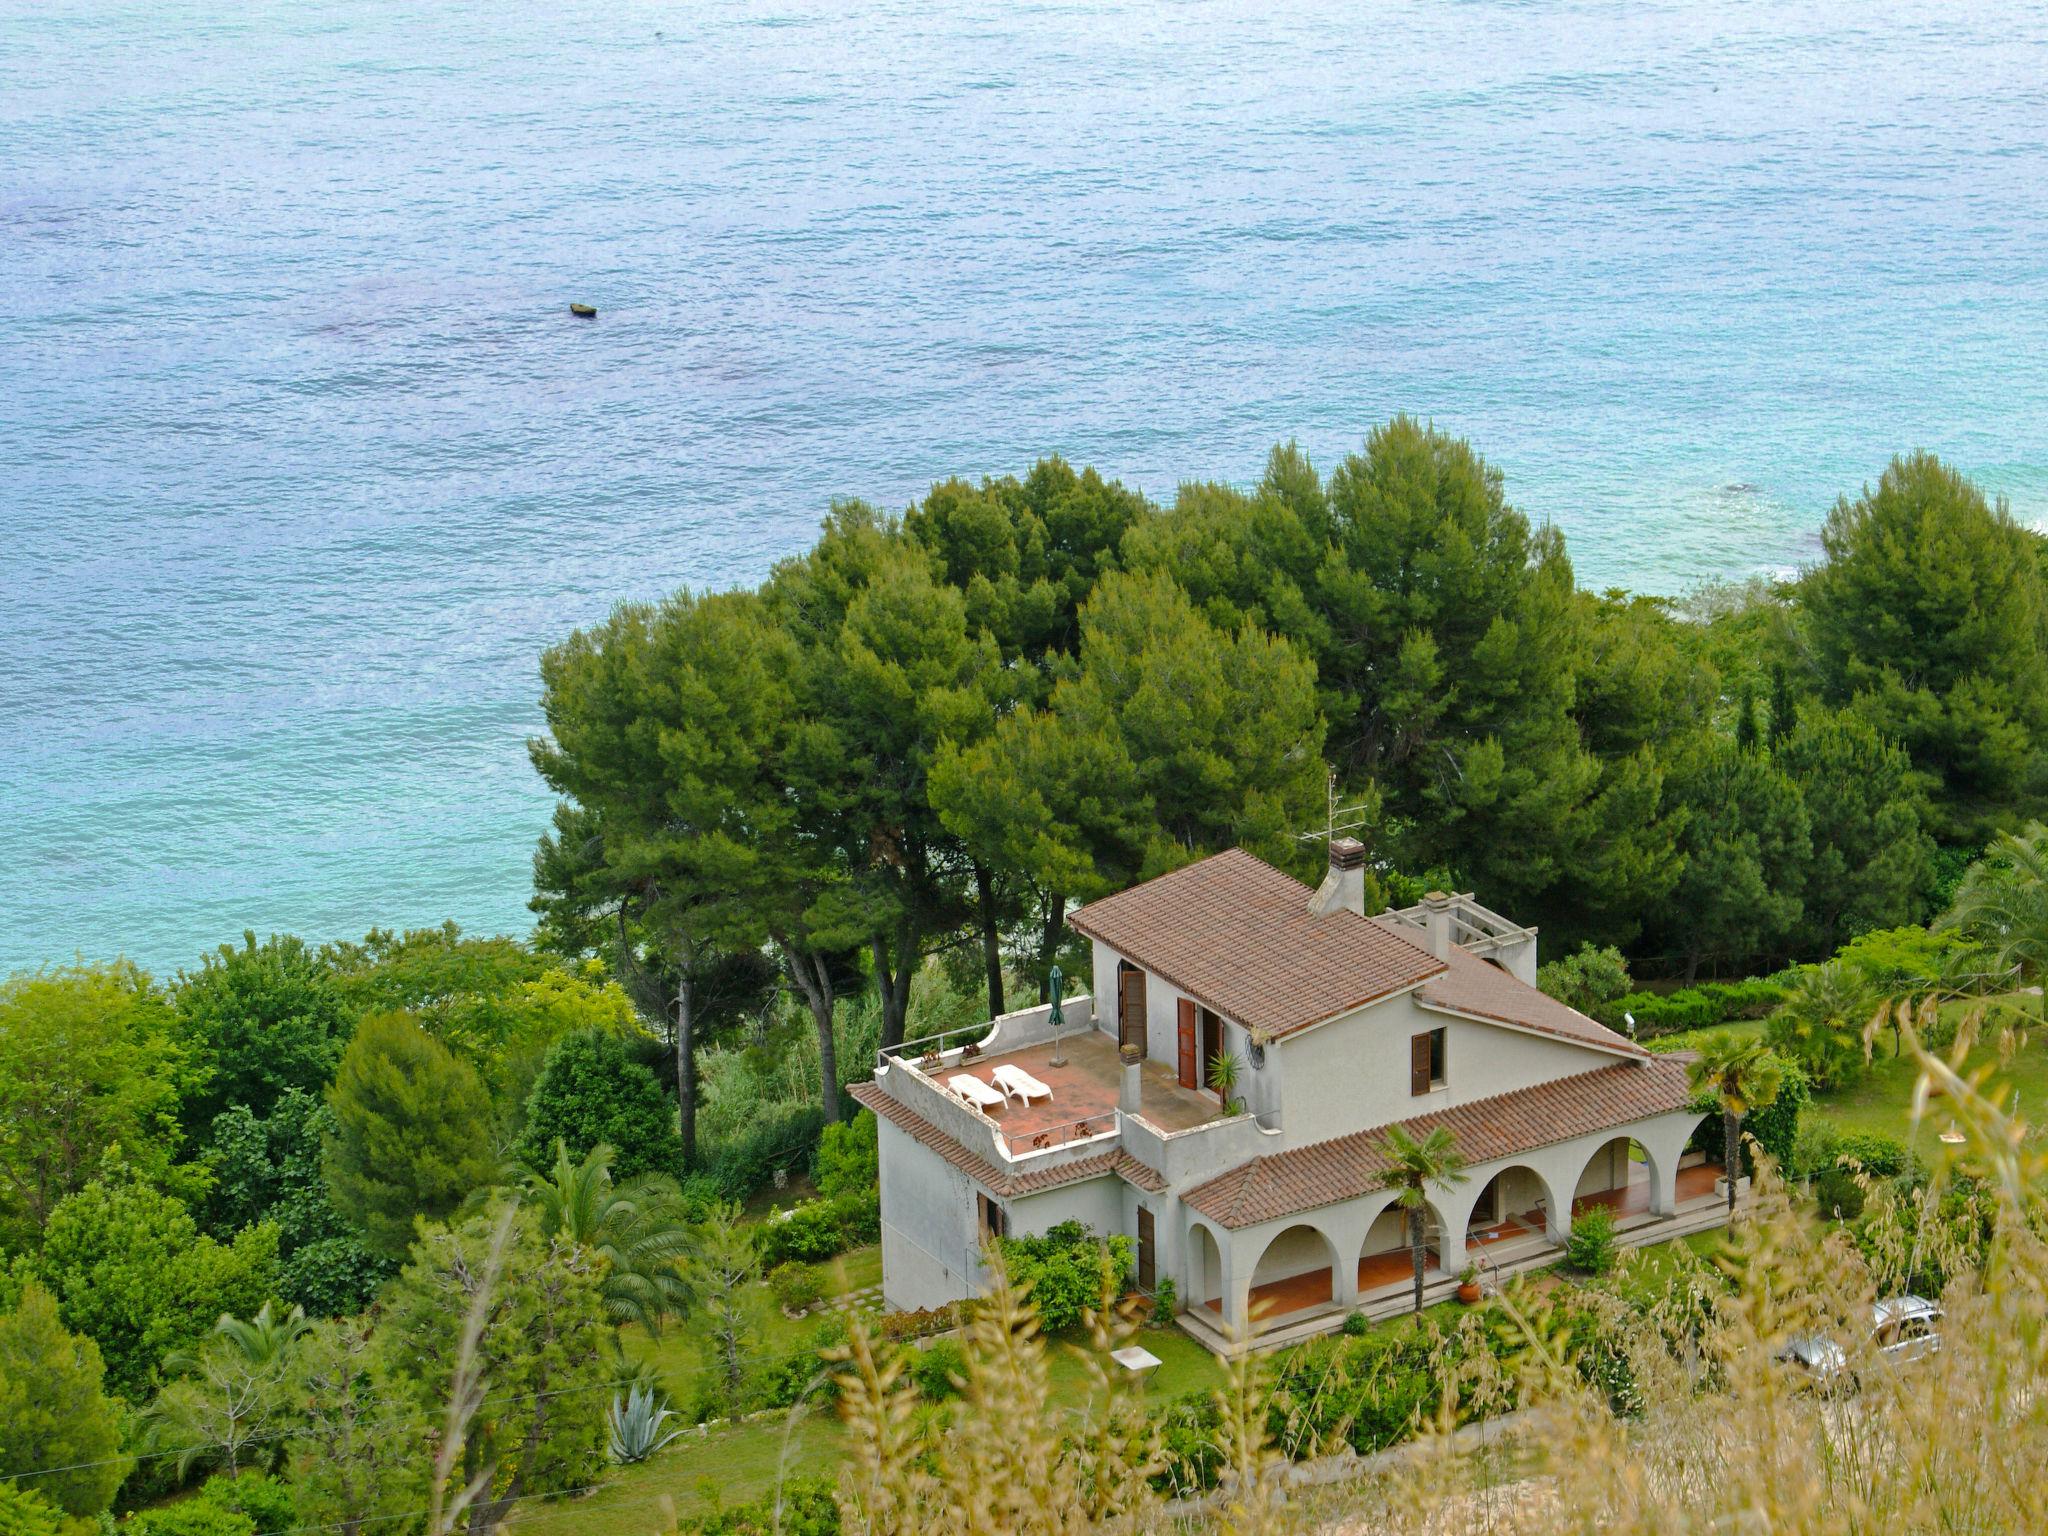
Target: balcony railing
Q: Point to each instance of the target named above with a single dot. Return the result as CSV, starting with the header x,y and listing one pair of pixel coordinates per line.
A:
x,y
1045,1138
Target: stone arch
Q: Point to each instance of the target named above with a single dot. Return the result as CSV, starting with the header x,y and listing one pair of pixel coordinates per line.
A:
x,y
1296,1269
1384,1252
1516,1199
1208,1280
1622,1173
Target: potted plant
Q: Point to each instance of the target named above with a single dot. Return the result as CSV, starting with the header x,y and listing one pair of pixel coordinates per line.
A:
x,y
1468,1285
1223,1078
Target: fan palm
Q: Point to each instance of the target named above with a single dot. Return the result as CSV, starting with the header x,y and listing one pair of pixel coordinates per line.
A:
x,y
1824,1021
639,1228
1412,1166
2002,905
1743,1074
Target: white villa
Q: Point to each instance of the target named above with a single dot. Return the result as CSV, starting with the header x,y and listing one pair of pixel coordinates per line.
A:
x,y
1272,1217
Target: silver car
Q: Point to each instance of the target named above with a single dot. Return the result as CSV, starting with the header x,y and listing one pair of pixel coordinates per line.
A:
x,y
1901,1328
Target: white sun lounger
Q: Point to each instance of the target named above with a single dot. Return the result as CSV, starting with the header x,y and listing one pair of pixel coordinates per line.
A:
x,y
1020,1085
975,1091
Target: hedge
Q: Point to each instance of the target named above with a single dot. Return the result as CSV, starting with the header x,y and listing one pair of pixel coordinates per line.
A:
x,y
1700,1007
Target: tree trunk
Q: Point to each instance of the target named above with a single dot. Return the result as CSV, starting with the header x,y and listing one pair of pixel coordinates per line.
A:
x,y
815,982
1417,1228
1731,1153
991,938
895,966
686,1067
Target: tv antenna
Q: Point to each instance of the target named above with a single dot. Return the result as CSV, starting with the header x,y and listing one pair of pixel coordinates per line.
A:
x,y
1339,818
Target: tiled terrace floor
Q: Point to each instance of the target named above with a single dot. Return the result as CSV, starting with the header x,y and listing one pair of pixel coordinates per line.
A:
x,y
1085,1088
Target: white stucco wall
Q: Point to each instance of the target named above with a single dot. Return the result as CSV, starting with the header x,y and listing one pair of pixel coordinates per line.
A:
x,y
931,1247
1352,1073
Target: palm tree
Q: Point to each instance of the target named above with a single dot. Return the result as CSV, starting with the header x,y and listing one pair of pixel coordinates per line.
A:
x,y
2002,904
1412,1165
1824,1021
1743,1074
639,1228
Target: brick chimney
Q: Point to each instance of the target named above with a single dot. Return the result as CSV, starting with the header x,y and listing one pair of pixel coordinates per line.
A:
x,y
1343,888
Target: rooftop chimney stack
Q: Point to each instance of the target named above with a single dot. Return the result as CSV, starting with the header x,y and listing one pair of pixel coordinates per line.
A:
x,y
1436,912
1343,888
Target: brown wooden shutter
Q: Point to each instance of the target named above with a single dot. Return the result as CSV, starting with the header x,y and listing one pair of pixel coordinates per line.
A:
x,y
1418,1064
1131,1008
1148,1256
1190,1058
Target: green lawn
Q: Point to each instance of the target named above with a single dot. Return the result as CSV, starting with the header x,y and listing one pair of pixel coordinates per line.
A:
x,y
1881,1100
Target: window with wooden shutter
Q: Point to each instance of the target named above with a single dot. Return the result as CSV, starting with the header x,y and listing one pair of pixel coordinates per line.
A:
x,y
1190,1055
1425,1062
1148,1252
1130,1023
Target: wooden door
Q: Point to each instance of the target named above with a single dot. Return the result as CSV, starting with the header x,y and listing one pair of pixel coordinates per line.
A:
x,y
1148,1255
1131,1008
1190,1054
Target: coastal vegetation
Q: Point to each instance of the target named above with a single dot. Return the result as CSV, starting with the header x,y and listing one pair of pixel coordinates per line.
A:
x,y
272,1229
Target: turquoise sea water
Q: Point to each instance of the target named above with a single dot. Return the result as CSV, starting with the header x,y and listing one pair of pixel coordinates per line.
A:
x,y
302,460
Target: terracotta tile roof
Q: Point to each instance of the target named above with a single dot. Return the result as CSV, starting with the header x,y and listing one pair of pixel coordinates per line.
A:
x,y
1475,986
1236,934
1287,1183
987,1174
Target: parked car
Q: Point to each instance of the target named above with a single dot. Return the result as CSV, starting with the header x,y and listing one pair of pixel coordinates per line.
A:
x,y
1901,1328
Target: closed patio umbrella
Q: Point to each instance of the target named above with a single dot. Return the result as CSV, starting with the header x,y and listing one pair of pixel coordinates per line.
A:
x,y
1055,985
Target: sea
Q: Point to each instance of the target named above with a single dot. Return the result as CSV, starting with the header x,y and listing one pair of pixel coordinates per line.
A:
x,y
304,460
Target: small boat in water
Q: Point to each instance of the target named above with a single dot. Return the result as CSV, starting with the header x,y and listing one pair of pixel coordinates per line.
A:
x,y
583,311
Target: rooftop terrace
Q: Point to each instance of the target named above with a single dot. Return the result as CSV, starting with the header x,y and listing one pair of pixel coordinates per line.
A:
x,y
1084,1092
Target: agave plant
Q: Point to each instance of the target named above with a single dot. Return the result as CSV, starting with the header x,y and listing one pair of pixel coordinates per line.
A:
x,y
635,1422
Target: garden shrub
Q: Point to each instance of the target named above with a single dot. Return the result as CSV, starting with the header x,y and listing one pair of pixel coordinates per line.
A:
x,y
802,1373
804,1506
1165,1301
816,1230
895,1327
1591,1248
937,1366
1837,1194
1587,978
1690,1008
1357,1325
592,1089
1880,1156
23,1513
226,1506
849,1160
1063,1268
796,1286
1191,1443
1776,1125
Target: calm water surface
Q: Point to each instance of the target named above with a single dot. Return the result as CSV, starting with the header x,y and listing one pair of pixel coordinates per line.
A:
x,y
302,460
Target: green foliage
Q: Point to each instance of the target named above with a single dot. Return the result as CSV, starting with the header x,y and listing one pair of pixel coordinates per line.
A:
x,y
781,1138
1165,1301
270,1170
249,1505
637,1230
1065,1269
593,1091
354,1447
1746,844
796,1286
849,1160
1873,862
938,1369
25,1513
1587,978
802,1373
56,1428
1822,1021
411,1132
1928,619
541,1350
2001,906
1775,1126
801,1506
1713,1002
1880,1156
225,1396
257,1021
1591,1248
811,1232
86,1064
721,1271
131,1270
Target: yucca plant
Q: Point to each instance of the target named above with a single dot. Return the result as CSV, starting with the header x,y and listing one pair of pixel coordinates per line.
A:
x,y
636,1425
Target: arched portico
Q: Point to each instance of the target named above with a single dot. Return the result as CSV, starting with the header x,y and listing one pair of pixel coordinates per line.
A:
x,y
1295,1271
1208,1277
1506,1204
1622,1176
1385,1255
